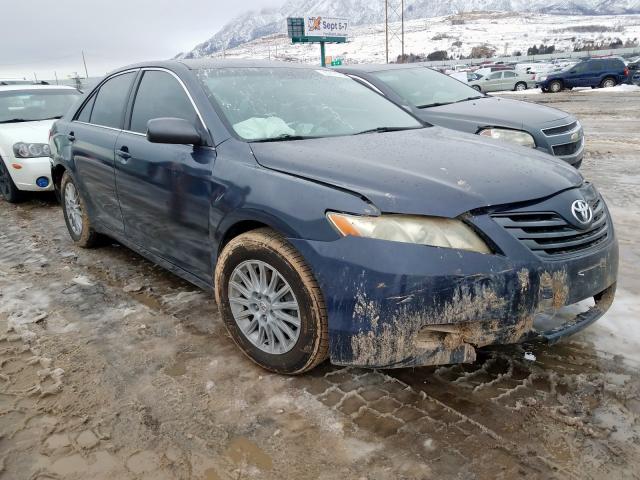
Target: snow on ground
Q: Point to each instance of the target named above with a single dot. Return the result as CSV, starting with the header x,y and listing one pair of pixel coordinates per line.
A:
x,y
618,331
531,91
504,32
618,89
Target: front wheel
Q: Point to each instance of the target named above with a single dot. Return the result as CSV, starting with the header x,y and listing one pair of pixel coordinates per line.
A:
x,y
271,303
75,214
520,87
8,189
476,87
555,86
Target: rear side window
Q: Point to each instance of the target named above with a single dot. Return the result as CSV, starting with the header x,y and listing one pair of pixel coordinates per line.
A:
x,y
110,101
85,113
495,76
509,74
160,95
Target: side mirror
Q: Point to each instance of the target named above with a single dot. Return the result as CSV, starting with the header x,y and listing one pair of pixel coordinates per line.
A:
x,y
572,71
172,130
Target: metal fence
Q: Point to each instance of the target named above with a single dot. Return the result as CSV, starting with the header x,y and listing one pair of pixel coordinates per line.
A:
x,y
531,58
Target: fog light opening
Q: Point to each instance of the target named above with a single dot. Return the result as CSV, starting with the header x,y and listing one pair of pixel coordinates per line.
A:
x,y
42,182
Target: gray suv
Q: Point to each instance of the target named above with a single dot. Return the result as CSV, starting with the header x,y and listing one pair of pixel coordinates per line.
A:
x,y
441,100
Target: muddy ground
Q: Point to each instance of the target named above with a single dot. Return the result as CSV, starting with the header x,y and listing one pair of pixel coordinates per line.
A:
x,y
113,368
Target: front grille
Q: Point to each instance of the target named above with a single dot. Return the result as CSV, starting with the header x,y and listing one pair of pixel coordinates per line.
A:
x,y
560,130
567,148
547,234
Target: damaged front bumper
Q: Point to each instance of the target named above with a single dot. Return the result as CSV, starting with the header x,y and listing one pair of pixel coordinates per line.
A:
x,y
394,305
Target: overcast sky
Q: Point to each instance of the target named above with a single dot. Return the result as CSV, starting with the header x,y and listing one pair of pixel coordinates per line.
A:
x,y
43,36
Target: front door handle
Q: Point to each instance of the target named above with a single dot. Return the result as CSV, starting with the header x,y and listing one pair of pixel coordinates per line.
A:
x,y
124,154
71,137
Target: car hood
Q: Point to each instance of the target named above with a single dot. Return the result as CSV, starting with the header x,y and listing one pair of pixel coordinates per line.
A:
x,y
31,132
494,112
430,171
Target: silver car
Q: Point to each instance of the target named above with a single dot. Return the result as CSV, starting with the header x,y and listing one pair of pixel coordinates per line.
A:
x,y
503,80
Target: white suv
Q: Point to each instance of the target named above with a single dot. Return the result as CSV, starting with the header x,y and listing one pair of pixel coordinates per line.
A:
x,y
26,115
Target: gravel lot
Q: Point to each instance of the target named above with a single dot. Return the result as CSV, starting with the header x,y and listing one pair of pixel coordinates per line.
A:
x,y
113,368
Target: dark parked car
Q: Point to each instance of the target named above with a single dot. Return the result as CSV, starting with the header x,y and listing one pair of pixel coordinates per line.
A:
x,y
442,100
594,72
329,221
634,72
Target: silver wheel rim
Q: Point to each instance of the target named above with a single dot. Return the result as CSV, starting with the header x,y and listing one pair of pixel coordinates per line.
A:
x,y
73,208
609,84
520,87
555,87
264,307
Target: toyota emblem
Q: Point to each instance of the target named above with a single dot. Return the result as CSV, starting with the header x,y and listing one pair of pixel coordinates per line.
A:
x,y
582,211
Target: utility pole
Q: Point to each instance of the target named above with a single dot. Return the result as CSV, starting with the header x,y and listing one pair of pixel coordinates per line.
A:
x,y
393,14
86,72
386,29
55,74
35,76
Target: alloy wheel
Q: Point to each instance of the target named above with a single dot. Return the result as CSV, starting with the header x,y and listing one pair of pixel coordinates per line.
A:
x,y
609,83
520,87
73,208
264,307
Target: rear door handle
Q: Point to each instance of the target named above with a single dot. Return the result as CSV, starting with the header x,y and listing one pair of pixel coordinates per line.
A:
x,y
124,154
71,137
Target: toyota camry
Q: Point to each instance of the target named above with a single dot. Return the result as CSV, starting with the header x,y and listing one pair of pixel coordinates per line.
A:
x,y
329,222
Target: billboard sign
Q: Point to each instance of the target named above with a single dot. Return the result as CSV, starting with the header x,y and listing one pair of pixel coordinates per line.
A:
x,y
317,26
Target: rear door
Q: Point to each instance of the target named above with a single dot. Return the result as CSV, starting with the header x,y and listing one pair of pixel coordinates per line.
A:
x,y
164,190
509,80
93,135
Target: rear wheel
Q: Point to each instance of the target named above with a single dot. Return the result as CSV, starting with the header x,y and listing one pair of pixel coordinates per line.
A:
x,y
555,86
270,303
8,189
520,87
75,214
608,83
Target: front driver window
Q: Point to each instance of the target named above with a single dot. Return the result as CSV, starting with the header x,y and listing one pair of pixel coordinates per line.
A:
x,y
160,95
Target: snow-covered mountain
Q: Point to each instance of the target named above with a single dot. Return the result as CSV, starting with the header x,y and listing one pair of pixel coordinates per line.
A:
x,y
252,25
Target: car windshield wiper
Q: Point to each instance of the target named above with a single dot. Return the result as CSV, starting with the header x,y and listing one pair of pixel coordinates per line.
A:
x,y
429,105
283,138
56,117
385,129
15,120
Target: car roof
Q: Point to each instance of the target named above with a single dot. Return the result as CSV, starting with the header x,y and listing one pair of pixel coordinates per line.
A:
x,y
8,88
204,63
379,67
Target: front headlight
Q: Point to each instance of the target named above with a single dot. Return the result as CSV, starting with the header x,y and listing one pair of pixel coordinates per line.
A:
x,y
432,231
514,136
31,150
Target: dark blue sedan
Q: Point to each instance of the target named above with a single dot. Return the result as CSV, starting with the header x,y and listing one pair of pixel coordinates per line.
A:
x,y
329,221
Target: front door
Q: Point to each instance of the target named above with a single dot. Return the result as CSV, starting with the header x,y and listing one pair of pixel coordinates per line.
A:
x,y
164,190
493,82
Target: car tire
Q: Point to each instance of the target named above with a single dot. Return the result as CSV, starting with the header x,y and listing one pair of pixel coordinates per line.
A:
x,y
8,189
75,214
476,87
556,86
520,87
249,306
608,82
